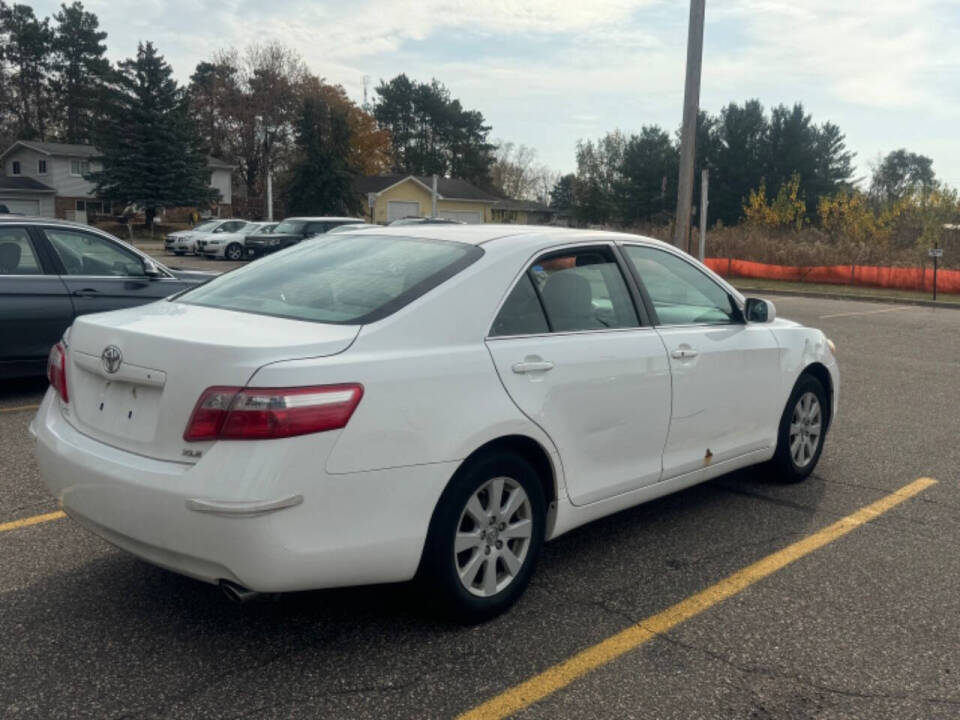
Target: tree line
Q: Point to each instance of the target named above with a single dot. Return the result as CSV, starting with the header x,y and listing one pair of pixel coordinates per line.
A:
x,y
262,109
753,157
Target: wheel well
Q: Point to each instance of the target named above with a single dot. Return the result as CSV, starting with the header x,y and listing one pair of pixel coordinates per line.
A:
x,y
531,451
820,372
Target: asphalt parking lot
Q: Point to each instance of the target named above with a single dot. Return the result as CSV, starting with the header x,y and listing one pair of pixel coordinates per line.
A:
x,y
864,626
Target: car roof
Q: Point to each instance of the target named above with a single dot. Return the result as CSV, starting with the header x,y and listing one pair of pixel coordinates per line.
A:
x,y
325,217
530,235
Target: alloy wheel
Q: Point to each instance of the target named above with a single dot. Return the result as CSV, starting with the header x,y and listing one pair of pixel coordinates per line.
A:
x,y
493,537
805,429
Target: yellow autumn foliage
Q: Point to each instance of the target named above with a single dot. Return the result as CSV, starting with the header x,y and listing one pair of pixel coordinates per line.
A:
x,y
788,209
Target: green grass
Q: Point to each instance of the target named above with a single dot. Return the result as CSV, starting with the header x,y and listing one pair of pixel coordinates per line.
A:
x,y
854,291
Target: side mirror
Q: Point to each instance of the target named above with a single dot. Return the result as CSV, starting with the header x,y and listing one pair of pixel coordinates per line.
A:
x,y
150,268
758,310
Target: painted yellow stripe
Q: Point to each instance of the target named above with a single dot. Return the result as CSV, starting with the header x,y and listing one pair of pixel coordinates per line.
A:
x,y
35,520
559,676
18,408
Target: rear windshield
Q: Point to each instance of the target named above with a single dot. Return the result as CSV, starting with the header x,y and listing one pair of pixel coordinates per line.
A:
x,y
348,280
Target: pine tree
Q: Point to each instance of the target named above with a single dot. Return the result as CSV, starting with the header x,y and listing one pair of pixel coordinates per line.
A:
x,y
79,71
27,44
151,153
322,178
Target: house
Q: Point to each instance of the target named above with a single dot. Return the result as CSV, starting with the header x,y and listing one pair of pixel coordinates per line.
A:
x,y
47,179
522,212
386,198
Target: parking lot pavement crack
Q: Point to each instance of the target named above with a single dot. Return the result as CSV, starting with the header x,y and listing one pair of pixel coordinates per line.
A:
x,y
800,680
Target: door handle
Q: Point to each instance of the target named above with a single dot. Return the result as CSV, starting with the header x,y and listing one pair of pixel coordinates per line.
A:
x,y
529,366
684,353
85,292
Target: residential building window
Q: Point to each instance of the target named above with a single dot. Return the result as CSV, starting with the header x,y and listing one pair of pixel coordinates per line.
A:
x,y
41,167
15,167
79,168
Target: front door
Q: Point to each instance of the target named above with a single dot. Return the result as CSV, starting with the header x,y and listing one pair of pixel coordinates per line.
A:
x,y
573,355
726,373
100,274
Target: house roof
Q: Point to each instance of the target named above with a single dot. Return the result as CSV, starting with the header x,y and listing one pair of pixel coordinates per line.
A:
x,y
89,151
527,205
447,188
23,184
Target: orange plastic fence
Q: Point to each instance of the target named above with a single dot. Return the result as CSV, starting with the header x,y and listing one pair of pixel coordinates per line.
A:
x,y
914,278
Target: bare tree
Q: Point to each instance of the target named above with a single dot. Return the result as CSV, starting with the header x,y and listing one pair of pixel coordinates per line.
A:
x,y
513,172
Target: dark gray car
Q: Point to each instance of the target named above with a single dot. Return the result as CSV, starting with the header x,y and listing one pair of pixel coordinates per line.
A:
x,y
51,271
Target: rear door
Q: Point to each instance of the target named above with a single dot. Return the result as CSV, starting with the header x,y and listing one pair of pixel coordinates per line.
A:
x,y
573,352
726,373
100,274
35,308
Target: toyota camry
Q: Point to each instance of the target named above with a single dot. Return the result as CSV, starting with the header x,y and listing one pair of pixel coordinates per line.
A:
x,y
429,402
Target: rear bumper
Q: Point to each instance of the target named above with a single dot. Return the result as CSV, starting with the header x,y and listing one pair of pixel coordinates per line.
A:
x,y
263,515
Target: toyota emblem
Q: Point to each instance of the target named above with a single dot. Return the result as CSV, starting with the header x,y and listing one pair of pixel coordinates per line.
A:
x,y
112,358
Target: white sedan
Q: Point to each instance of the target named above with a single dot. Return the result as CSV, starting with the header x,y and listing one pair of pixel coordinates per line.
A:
x,y
230,245
434,401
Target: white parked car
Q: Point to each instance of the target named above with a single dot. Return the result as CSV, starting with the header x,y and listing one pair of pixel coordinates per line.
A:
x,y
231,245
432,401
184,242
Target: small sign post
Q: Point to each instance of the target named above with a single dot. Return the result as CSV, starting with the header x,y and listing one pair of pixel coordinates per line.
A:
x,y
936,253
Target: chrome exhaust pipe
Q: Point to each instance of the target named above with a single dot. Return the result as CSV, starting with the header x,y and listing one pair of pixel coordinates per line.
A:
x,y
237,593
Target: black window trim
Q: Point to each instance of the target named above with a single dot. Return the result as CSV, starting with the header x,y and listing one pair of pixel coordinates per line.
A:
x,y
413,293
644,318
739,318
39,252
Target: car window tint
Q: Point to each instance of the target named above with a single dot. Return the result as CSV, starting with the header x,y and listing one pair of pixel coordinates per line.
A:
x,y
88,254
583,290
315,229
681,293
338,279
16,253
522,313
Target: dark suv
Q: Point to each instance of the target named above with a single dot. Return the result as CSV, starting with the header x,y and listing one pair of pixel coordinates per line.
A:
x,y
291,231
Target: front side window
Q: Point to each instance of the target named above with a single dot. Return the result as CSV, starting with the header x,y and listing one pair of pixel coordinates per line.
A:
x,y
347,281
87,254
16,253
681,294
15,167
79,168
290,226
576,290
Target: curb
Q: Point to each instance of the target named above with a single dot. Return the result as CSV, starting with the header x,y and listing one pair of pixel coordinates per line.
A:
x,y
856,298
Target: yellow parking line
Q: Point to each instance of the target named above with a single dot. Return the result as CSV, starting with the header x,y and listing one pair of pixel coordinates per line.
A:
x,y
35,520
18,408
559,676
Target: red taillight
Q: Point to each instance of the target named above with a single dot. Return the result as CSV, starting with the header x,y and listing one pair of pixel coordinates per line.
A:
x,y
232,413
57,370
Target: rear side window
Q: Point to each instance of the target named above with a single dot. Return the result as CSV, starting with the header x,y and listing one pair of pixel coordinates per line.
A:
x,y
522,313
340,280
575,291
16,253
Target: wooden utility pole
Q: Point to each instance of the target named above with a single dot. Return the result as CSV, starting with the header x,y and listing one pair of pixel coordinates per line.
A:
x,y
688,133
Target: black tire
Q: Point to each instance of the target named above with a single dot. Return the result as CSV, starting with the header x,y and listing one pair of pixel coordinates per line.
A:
x,y
786,468
439,574
233,252
178,253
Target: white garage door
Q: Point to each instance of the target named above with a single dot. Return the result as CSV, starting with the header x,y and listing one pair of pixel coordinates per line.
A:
x,y
474,217
19,205
397,210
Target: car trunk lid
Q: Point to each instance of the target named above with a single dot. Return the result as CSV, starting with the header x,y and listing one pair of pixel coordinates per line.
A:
x,y
135,375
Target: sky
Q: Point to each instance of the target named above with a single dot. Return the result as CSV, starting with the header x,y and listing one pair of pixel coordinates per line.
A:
x,y
546,73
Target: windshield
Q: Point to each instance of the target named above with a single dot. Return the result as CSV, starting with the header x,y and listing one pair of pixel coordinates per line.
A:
x,y
343,280
289,226
206,226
